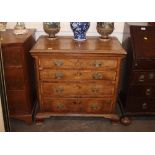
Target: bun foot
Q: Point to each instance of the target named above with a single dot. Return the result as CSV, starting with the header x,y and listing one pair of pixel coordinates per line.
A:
x,y
39,121
125,120
115,120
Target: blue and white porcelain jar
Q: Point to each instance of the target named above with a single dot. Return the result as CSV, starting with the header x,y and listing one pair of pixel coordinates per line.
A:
x,y
79,30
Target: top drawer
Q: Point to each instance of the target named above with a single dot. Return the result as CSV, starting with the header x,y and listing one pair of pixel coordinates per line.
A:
x,y
77,63
144,64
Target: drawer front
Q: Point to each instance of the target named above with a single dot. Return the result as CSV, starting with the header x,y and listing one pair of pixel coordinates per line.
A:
x,y
12,56
77,89
144,64
143,77
142,91
77,105
14,78
98,106
77,63
17,101
141,105
47,74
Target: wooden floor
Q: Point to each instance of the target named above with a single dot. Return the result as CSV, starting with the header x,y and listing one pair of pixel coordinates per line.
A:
x,y
84,124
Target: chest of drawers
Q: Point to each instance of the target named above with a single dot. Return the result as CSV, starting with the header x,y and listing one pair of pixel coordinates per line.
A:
x,y
19,74
77,78
138,86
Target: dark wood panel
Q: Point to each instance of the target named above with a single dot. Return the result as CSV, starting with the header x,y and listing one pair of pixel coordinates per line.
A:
x,y
17,101
13,56
144,39
15,78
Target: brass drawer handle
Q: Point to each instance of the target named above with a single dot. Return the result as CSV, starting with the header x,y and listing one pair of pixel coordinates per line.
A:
x,y
144,106
95,90
59,75
145,38
141,78
59,90
60,106
151,76
94,107
148,92
97,63
97,76
143,28
58,63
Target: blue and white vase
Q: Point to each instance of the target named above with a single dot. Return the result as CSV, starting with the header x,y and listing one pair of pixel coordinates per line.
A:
x,y
79,30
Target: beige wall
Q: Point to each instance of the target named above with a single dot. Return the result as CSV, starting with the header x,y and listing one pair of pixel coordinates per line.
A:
x,y
1,118
66,30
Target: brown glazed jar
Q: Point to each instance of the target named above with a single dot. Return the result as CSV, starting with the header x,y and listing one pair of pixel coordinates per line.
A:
x,y
105,29
51,28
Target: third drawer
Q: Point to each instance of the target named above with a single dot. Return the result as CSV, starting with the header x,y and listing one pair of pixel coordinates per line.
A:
x,y
77,89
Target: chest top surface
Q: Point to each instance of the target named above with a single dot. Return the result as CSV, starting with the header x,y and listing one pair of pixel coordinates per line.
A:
x,y
8,37
68,45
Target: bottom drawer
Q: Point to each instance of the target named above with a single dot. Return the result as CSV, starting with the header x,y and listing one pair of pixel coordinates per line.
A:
x,y
141,105
17,102
77,105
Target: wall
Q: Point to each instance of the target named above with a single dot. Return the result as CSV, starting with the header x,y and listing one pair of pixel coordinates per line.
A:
x,y
1,118
66,30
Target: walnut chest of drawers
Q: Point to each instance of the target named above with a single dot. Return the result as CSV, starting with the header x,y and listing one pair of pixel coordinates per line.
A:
x,y
138,85
19,73
77,78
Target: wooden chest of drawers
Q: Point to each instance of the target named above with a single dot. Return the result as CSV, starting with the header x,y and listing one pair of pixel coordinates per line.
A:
x,y
77,78
138,86
19,73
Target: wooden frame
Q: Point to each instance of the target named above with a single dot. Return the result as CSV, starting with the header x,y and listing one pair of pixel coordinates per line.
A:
x,y
4,102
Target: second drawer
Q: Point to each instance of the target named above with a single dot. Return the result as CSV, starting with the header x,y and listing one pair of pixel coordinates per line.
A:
x,y
48,74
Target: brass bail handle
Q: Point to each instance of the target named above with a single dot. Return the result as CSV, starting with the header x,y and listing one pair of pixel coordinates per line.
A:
x,y
58,63
59,75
